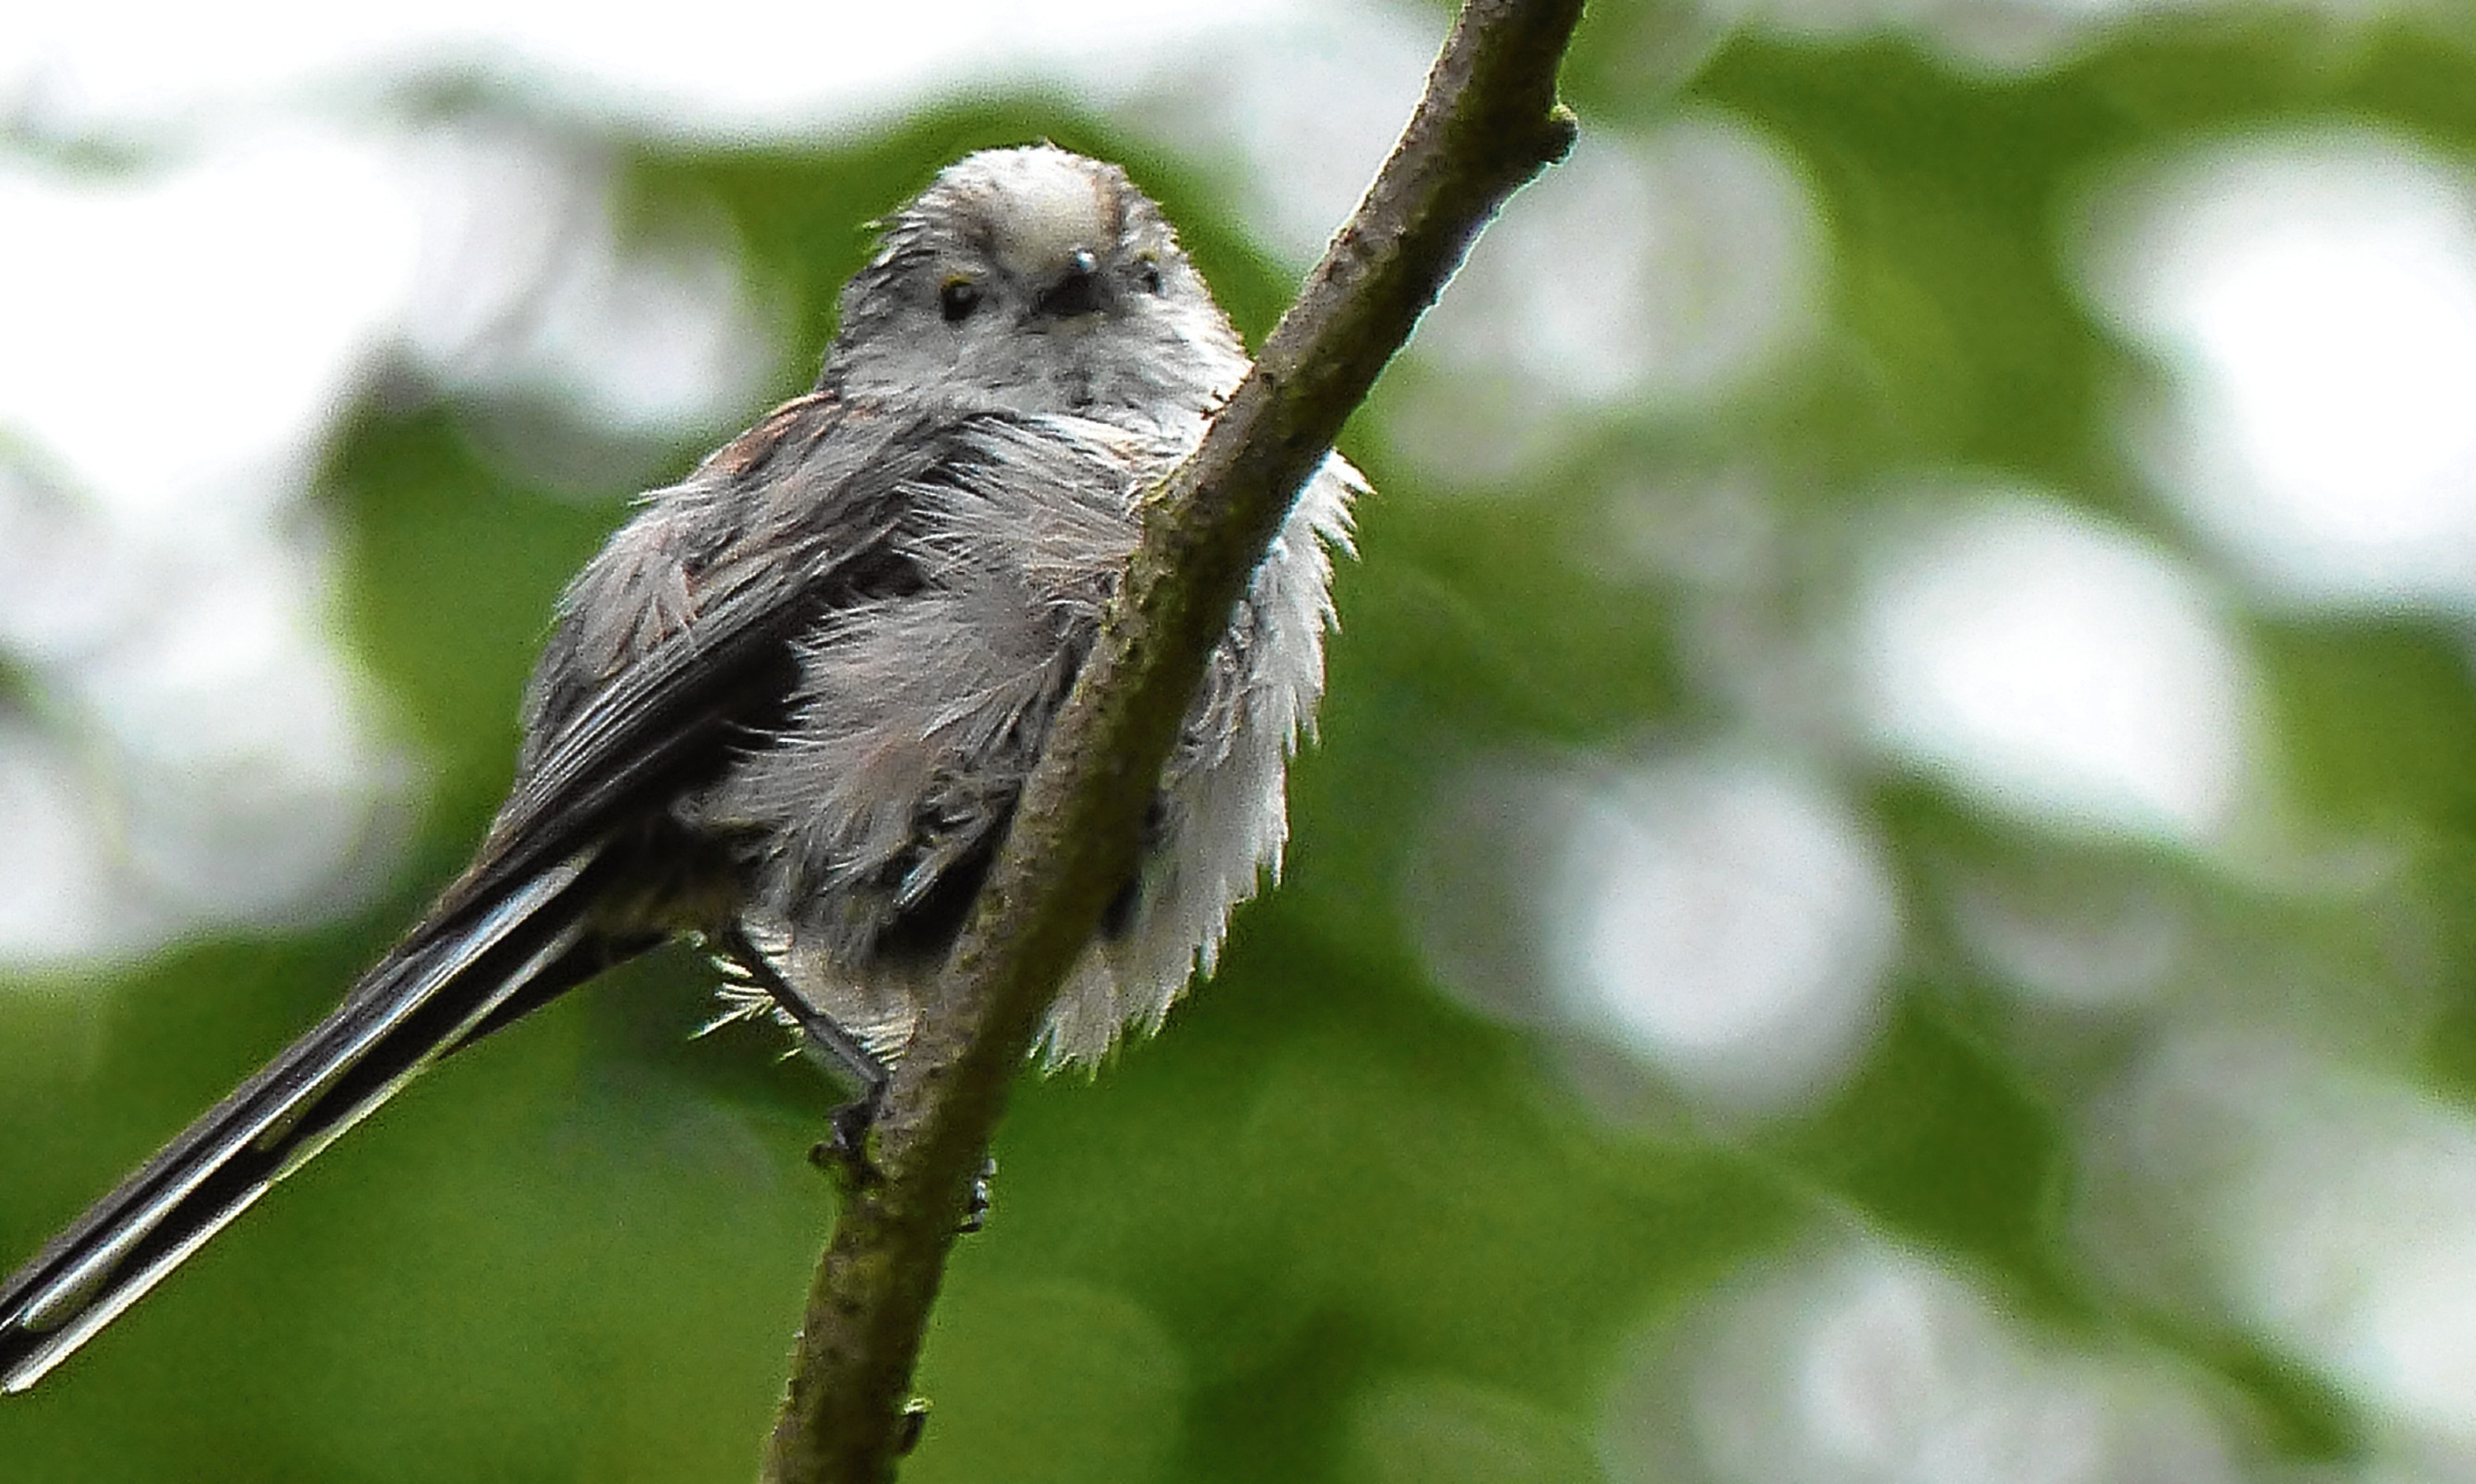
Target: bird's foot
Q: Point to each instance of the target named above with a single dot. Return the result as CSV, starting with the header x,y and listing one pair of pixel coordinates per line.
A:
x,y
846,1152
914,1422
976,1214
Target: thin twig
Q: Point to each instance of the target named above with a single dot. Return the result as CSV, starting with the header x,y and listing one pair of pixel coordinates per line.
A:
x,y
1488,122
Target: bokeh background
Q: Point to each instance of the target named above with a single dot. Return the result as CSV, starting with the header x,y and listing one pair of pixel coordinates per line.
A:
x,y
1888,892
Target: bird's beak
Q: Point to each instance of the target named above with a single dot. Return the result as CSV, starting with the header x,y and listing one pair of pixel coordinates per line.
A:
x,y
1076,292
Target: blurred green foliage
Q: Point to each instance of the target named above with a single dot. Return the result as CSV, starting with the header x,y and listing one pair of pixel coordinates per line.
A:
x,y
1329,1227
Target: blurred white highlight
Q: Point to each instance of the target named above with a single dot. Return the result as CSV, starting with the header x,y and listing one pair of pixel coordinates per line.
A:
x,y
210,758
202,757
231,296
2314,296
524,284
1728,921
1871,1366
1298,112
1665,271
2086,940
2057,669
2333,1211
2007,36
1673,266
60,899
732,69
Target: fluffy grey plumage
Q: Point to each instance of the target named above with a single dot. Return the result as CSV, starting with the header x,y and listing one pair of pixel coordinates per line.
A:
x,y
790,706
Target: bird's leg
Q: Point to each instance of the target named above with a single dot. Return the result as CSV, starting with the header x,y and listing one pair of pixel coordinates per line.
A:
x,y
840,1052
828,1045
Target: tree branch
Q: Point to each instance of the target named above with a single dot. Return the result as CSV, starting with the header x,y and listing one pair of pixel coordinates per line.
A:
x,y
1488,122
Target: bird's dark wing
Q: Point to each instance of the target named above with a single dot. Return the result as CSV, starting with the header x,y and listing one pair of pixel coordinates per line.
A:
x,y
678,646
797,517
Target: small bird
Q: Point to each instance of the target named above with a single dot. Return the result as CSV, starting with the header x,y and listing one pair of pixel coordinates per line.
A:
x,y
788,709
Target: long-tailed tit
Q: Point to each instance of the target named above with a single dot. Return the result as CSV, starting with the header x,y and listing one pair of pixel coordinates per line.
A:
x,y
790,706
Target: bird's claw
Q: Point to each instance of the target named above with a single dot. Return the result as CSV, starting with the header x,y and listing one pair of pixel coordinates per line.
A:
x,y
846,1152
976,1214
914,1422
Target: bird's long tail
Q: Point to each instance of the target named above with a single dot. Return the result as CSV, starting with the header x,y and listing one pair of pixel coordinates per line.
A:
x,y
456,975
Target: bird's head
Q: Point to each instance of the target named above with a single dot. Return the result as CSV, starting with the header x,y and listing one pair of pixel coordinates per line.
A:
x,y
1035,280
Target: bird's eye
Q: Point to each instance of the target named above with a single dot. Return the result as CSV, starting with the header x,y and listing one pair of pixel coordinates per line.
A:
x,y
1149,274
957,300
